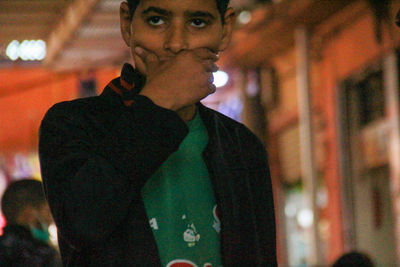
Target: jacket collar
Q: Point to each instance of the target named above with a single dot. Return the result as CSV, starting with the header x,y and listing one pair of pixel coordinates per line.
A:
x,y
125,87
218,131
129,83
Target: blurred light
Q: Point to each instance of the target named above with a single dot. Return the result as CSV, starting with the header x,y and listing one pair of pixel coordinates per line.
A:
x,y
290,210
305,218
220,78
40,49
27,50
2,223
53,233
244,17
12,50
322,198
32,50
23,50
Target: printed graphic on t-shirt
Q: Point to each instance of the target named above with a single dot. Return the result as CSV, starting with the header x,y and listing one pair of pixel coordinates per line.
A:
x,y
190,236
181,263
217,222
186,263
153,224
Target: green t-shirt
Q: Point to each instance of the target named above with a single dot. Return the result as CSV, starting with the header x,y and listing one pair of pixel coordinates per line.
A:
x,y
181,207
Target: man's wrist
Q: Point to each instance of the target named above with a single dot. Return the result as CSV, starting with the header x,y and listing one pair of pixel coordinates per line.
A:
x,y
161,101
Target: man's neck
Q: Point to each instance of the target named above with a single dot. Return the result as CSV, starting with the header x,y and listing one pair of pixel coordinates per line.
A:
x,y
187,113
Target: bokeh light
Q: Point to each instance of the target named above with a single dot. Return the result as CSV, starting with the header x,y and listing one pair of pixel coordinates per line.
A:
x,y
221,78
27,50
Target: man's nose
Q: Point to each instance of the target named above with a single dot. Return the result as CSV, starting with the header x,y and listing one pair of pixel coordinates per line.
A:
x,y
176,39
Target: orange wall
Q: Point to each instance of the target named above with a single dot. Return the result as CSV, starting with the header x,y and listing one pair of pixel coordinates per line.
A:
x,y
25,96
347,47
350,50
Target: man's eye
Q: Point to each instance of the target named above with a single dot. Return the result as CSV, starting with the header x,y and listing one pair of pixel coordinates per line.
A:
x,y
155,21
198,23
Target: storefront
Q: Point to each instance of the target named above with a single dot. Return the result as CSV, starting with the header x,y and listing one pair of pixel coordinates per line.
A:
x,y
352,79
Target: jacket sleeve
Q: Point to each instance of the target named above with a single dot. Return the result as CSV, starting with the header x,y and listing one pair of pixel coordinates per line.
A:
x,y
265,212
91,183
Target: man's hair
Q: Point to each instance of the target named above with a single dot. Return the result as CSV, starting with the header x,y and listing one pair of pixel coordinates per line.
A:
x,y
19,195
222,6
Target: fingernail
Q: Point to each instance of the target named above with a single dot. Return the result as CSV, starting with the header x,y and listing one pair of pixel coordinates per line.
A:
x,y
138,50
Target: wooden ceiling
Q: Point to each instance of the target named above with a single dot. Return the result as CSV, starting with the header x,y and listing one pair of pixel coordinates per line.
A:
x,y
79,33
273,32
27,19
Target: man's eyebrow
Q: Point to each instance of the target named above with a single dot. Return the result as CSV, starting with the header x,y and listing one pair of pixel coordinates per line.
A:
x,y
158,10
200,14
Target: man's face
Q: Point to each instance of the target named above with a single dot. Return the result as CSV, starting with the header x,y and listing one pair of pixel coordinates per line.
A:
x,y
167,27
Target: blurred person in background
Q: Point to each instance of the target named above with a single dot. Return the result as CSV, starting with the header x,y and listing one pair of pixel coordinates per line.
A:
x,y
354,259
25,241
145,175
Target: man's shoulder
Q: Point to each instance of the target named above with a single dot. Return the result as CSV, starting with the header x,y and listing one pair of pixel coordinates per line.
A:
x,y
76,105
16,237
19,248
76,109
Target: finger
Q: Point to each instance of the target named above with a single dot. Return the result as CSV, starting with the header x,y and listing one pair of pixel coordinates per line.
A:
x,y
210,78
210,66
205,53
150,59
211,89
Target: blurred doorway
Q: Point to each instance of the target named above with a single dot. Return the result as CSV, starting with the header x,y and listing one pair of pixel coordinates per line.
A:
x,y
364,131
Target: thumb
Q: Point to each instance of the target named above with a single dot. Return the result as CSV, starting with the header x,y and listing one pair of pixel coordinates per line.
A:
x,y
150,59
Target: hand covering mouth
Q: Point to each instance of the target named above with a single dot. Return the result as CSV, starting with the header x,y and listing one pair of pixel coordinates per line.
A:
x,y
166,58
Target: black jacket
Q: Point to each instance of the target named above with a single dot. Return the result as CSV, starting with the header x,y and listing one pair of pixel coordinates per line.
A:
x,y
96,154
18,248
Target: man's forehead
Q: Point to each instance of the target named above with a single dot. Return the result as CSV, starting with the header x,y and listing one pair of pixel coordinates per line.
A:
x,y
182,5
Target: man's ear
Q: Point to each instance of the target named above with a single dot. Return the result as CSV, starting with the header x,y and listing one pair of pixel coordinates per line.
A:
x,y
125,21
230,18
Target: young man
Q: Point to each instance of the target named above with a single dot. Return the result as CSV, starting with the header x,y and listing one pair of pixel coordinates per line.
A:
x,y
25,239
144,175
